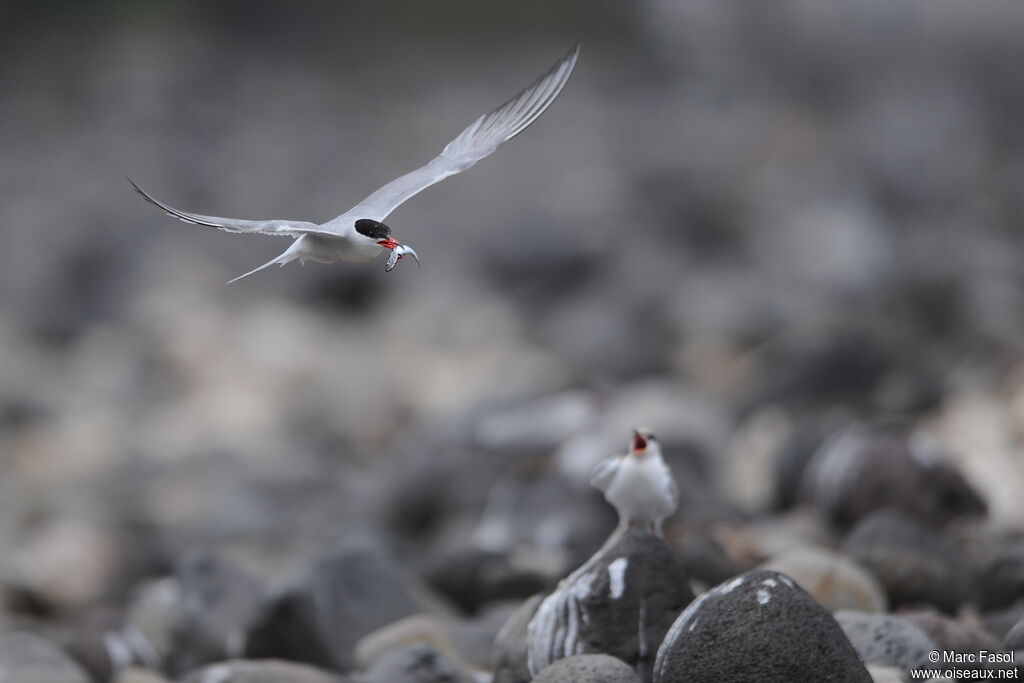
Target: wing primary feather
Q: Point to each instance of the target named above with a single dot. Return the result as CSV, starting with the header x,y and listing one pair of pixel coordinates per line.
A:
x,y
481,138
283,228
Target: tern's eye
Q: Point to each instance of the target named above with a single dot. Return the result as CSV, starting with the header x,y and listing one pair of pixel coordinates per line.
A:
x,y
372,229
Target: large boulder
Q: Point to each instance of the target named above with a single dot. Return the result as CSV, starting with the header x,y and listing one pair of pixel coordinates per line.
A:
x,y
620,603
759,627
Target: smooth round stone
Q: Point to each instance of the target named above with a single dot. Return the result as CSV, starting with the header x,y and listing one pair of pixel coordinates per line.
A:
x,y
65,564
886,640
467,641
416,664
260,671
835,581
422,629
135,674
589,668
758,627
871,467
28,658
915,564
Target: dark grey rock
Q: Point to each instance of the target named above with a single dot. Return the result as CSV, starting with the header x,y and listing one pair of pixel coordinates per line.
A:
x,y
28,658
92,638
758,627
474,639
887,640
353,588
589,668
620,603
1000,622
415,664
791,461
265,671
197,615
952,634
471,577
1002,581
1014,640
704,558
867,468
218,602
915,564
511,645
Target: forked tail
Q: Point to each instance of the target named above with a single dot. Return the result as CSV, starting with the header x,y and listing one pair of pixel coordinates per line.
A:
x,y
288,256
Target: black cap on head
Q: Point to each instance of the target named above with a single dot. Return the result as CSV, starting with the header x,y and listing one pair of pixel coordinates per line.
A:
x,y
372,229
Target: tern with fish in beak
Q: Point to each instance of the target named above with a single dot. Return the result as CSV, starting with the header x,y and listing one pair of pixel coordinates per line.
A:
x,y
359,234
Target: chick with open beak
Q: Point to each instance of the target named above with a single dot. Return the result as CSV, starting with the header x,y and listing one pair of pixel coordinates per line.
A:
x,y
638,484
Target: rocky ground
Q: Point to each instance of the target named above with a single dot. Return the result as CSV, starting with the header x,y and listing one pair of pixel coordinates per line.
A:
x,y
785,239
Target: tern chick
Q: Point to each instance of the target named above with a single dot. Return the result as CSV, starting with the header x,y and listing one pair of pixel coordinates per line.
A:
x,y
638,484
359,234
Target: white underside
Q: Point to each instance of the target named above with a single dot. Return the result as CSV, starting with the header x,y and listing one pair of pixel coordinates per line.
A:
x,y
323,249
642,491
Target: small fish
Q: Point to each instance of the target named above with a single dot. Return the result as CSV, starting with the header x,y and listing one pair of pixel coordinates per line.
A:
x,y
396,255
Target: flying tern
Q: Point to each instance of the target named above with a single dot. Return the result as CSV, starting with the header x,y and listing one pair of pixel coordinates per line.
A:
x,y
359,234
638,484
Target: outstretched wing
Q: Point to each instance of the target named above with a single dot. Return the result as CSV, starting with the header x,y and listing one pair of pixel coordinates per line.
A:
x,y
272,227
604,472
479,140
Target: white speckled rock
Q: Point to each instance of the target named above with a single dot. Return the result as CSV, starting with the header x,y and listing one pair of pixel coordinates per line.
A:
x,y
886,674
758,627
886,640
834,580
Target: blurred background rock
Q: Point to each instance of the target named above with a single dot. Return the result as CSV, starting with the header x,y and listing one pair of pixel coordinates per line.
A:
x,y
744,226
